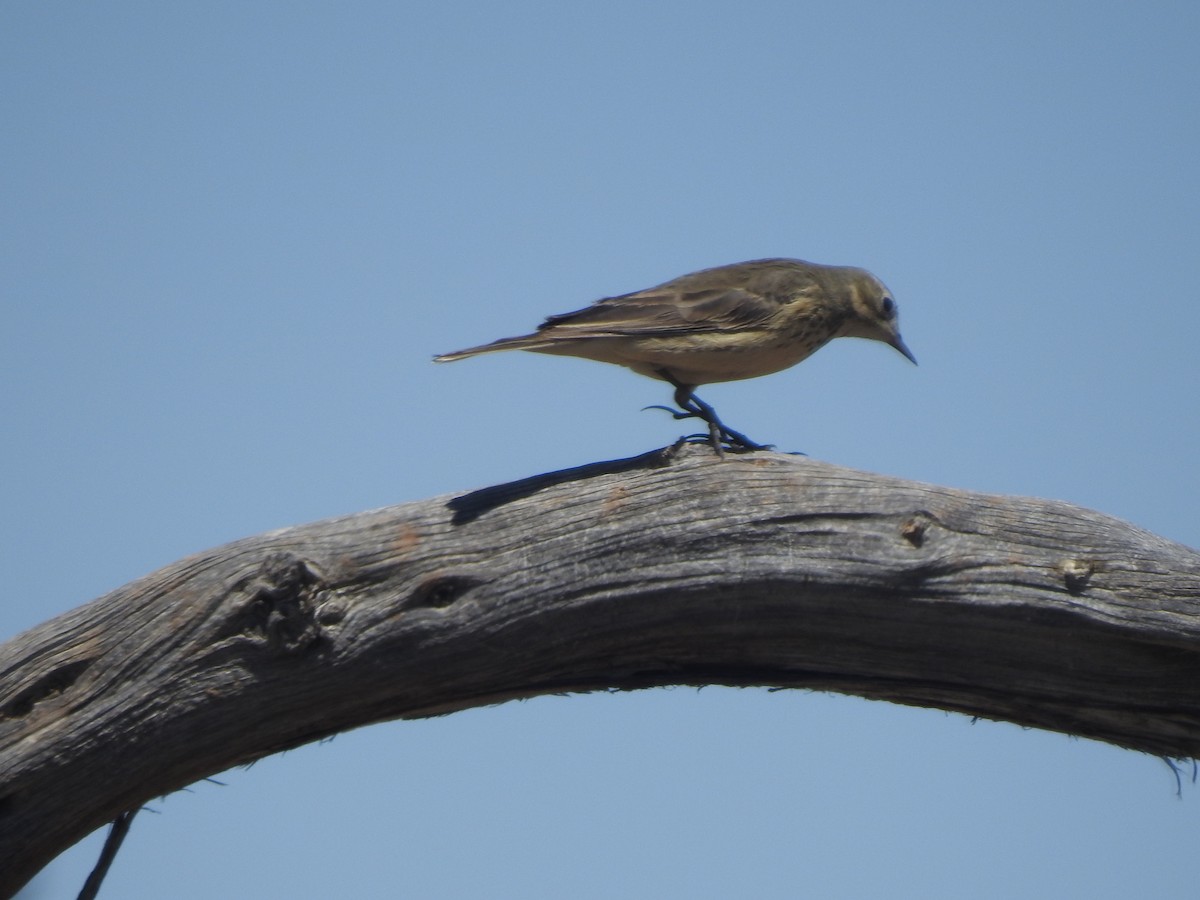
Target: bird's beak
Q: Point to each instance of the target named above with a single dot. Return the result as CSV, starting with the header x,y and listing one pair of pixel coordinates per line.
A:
x,y
899,344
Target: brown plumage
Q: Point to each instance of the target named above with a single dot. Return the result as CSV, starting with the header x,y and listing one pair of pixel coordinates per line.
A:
x,y
723,324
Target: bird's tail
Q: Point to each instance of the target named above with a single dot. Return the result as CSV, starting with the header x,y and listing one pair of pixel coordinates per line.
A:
x,y
525,342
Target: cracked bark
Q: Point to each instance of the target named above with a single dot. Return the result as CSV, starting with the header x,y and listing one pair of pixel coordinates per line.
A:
x,y
760,569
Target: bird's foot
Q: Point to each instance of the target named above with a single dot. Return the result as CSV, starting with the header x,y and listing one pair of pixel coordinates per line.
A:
x,y
719,436
722,441
737,441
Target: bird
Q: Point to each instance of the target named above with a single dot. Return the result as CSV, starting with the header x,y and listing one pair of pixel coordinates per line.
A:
x,y
725,323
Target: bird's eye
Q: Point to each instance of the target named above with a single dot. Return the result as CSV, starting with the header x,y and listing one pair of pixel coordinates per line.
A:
x,y
889,307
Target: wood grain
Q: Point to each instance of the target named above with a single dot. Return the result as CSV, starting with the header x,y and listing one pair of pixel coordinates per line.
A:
x,y
759,569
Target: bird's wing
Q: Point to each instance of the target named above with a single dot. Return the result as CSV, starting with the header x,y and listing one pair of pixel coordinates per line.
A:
x,y
664,312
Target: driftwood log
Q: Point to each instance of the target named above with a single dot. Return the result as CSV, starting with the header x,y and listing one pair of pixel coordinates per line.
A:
x,y
757,569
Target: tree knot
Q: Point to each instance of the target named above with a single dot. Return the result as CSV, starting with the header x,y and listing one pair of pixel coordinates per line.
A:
x,y
1076,574
278,604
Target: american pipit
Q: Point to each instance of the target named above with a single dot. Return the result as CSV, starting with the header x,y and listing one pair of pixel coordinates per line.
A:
x,y
723,324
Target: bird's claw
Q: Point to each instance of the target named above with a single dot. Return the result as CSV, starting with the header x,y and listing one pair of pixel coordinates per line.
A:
x,y
738,441
733,443
674,413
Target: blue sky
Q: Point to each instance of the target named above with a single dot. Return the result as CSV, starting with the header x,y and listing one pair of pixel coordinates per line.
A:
x,y
233,235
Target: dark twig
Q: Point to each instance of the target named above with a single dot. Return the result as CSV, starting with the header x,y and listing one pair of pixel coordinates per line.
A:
x,y
116,835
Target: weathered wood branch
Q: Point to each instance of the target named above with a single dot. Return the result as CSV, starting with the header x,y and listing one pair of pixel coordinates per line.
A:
x,y
761,569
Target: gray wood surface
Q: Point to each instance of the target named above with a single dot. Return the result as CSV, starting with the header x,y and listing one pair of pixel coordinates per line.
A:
x,y
759,569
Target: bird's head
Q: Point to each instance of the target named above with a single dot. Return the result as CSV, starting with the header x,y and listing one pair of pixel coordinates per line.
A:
x,y
873,313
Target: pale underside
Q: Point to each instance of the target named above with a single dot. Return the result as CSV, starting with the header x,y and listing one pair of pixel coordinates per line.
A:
x,y
691,359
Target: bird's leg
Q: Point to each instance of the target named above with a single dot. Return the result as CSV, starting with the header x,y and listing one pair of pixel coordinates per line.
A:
x,y
692,407
717,428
